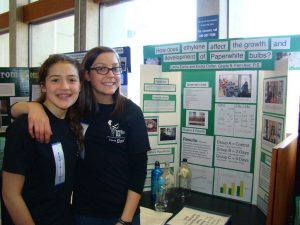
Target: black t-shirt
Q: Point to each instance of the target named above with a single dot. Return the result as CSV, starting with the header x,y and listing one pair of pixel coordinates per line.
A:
x,y
115,160
49,172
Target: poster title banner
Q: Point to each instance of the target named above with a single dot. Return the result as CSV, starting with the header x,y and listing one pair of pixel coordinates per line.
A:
x,y
251,53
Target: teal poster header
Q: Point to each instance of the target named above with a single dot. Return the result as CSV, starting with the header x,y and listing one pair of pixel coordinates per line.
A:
x,y
222,54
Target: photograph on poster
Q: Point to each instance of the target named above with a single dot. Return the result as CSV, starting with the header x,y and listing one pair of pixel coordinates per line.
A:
x,y
167,135
272,131
151,124
282,55
274,95
236,86
197,119
123,61
152,61
3,106
293,58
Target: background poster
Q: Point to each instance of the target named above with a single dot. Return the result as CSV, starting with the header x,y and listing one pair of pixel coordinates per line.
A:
x,y
14,87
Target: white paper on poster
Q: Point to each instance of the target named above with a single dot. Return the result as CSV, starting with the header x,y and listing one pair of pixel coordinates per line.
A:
x,y
160,103
202,178
13,100
262,200
161,154
224,118
275,95
36,91
235,120
244,120
193,130
233,184
7,89
160,151
272,131
233,153
198,149
197,98
161,158
264,176
236,86
160,87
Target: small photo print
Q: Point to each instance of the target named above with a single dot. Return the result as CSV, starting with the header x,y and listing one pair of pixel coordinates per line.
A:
x,y
197,119
151,124
123,63
167,135
272,132
152,61
236,86
274,91
274,95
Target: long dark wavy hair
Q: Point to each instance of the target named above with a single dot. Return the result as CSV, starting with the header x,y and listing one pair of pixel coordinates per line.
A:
x,y
72,116
87,100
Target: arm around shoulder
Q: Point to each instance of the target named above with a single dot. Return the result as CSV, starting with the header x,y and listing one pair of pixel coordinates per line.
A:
x,y
19,108
38,121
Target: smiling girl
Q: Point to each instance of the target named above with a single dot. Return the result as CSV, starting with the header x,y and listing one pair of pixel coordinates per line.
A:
x,y
38,178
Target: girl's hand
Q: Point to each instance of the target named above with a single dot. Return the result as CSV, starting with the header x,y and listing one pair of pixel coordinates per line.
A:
x,y
38,123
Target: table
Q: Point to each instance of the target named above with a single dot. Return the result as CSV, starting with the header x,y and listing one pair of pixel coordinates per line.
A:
x,y
241,213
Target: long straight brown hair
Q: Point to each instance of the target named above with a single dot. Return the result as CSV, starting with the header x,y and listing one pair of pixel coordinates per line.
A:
x,y
87,100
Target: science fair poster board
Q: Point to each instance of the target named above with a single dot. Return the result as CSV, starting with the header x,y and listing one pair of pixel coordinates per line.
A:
x,y
204,145
14,87
219,86
160,102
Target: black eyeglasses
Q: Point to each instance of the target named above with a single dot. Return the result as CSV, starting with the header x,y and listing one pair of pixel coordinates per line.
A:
x,y
104,70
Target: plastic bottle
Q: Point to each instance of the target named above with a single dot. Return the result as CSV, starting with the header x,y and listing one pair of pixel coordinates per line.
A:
x,y
168,177
184,178
155,174
161,202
